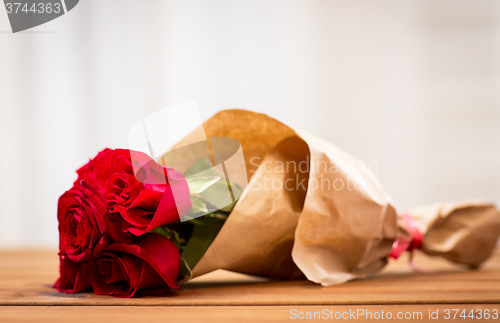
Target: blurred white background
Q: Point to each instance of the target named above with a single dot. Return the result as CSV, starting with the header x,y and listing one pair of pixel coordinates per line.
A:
x,y
412,85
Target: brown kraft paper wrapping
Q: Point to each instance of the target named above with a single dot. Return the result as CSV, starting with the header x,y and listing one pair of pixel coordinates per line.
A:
x,y
331,233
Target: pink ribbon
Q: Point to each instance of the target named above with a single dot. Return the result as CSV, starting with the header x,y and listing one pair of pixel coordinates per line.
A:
x,y
411,243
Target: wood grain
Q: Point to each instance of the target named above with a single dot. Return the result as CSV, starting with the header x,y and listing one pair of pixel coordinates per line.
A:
x,y
26,278
187,314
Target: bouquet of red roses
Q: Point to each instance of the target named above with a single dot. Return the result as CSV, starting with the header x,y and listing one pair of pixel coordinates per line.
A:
x,y
132,226
113,226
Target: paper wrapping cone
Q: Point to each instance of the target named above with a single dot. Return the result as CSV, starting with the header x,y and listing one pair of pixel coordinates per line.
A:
x,y
312,210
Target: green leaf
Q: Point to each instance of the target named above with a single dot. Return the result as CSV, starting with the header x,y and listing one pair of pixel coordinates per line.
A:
x,y
200,184
198,206
218,195
201,165
202,237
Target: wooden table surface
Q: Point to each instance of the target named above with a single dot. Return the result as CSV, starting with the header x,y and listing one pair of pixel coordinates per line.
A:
x,y
26,295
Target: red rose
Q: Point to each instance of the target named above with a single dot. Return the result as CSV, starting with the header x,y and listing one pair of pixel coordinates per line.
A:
x,y
86,172
138,189
82,225
123,270
73,276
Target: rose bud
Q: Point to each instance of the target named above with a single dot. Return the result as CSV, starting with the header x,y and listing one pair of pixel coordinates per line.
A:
x,y
82,226
123,270
138,190
72,276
